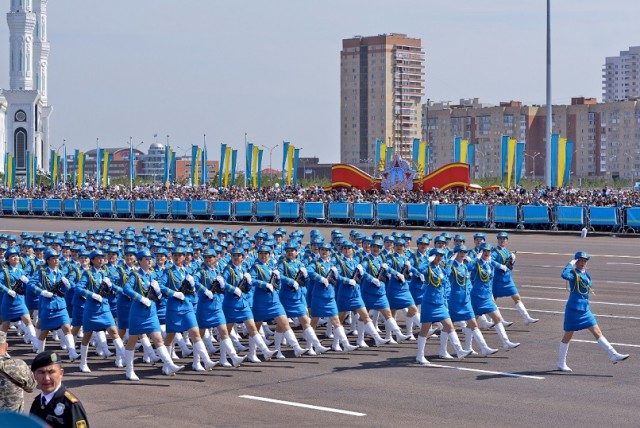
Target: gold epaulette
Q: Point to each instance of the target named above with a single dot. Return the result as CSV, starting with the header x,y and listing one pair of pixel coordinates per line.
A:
x,y
69,396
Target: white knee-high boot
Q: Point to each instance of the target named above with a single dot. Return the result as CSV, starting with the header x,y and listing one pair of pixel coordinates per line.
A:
x,y
613,354
71,347
277,345
392,325
370,329
341,339
455,341
525,315
169,368
444,340
149,354
182,343
484,348
420,358
231,352
562,357
260,344
502,334
117,342
84,351
201,351
468,340
360,340
293,342
128,358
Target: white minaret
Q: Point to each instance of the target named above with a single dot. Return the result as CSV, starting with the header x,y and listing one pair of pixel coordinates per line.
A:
x,y
27,115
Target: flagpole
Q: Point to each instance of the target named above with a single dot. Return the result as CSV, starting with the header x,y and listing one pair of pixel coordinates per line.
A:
x,y
205,167
245,156
130,164
97,162
548,166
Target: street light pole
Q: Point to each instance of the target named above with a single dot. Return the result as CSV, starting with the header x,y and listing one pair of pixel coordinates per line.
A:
x,y
270,152
533,157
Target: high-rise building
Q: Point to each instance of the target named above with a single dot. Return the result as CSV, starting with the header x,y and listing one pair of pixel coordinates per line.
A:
x,y
381,91
621,76
606,136
26,110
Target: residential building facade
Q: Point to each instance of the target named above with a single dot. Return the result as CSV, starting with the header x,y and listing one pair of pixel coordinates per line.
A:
x,y
621,76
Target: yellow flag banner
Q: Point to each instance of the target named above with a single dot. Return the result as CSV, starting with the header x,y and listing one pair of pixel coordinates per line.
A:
x,y
562,160
511,155
227,166
254,167
292,150
383,156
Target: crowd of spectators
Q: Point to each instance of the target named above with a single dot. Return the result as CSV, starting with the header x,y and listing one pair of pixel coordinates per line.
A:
x,y
567,196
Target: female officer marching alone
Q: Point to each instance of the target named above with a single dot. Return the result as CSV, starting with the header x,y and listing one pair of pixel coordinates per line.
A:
x,y
577,314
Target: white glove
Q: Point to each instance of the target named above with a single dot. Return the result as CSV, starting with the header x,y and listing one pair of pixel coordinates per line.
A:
x,y
220,280
247,277
400,277
155,286
421,277
65,281
304,271
179,295
107,281
324,281
24,279
573,262
96,297
190,279
513,257
503,268
47,294
432,258
352,282
360,269
209,294
237,292
407,263
145,301
453,257
334,270
295,285
467,259
384,266
270,287
276,272
376,282
11,293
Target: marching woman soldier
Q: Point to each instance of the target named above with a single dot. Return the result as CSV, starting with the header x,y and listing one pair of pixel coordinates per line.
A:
x,y
174,283
95,285
144,291
577,314
79,299
236,305
398,287
481,271
434,308
294,277
266,302
323,300
349,298
161,264
119,275
460,308
52,309
503,284
374,290
13,283
209,312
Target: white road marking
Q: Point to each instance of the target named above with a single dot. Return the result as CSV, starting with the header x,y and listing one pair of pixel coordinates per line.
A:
x,y
306,406
542,286
617,344
593,302
562,313
622,282
572,254
619,263
548,266
466,369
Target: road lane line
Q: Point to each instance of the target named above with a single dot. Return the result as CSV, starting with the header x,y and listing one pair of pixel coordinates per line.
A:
x,y
622,282
466,369
573,254
306,406
542,286
620,263
562,313
617,344
593,302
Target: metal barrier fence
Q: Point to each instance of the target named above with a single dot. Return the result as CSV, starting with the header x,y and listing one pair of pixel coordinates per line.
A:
x,y
614,219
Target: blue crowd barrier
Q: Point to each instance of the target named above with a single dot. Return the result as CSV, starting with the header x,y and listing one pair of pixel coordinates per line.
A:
x,y
38,206
8,205
142,208
418,213
199,209
570,216
122,207
54,206
339,211
633,218
505,214
23,206
314,211
476,214
266,210
161,208
244,209
221,209
87,206
179,209
603,216
363,212
445,213
388,211
105,207
535,214
287,210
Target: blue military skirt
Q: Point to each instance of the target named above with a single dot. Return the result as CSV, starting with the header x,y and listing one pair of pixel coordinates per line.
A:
x,y
12,308
399,295
180,316
54,316
433,312
375,298
578,319
417,291
236,310
348,298
504,289
460,311
209,312
143,320
123,307
97,316
161,307
323,302
266,306
78,309
31,299
482,305
295,304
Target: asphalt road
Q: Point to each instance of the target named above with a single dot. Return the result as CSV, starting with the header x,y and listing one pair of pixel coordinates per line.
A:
x,y
383,385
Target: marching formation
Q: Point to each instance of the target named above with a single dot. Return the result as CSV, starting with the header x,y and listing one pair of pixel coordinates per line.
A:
x,y
199,292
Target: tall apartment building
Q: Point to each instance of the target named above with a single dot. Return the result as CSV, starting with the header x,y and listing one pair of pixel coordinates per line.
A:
x,y
606,136
621,76
381,91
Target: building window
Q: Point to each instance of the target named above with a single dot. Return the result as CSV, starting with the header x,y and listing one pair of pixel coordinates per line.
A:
x,y
20,116
20,147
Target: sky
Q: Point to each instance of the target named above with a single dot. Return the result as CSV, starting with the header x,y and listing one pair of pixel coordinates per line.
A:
x,y
270,69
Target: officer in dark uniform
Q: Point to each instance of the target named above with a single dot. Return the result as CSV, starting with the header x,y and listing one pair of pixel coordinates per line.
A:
x,y
55,405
